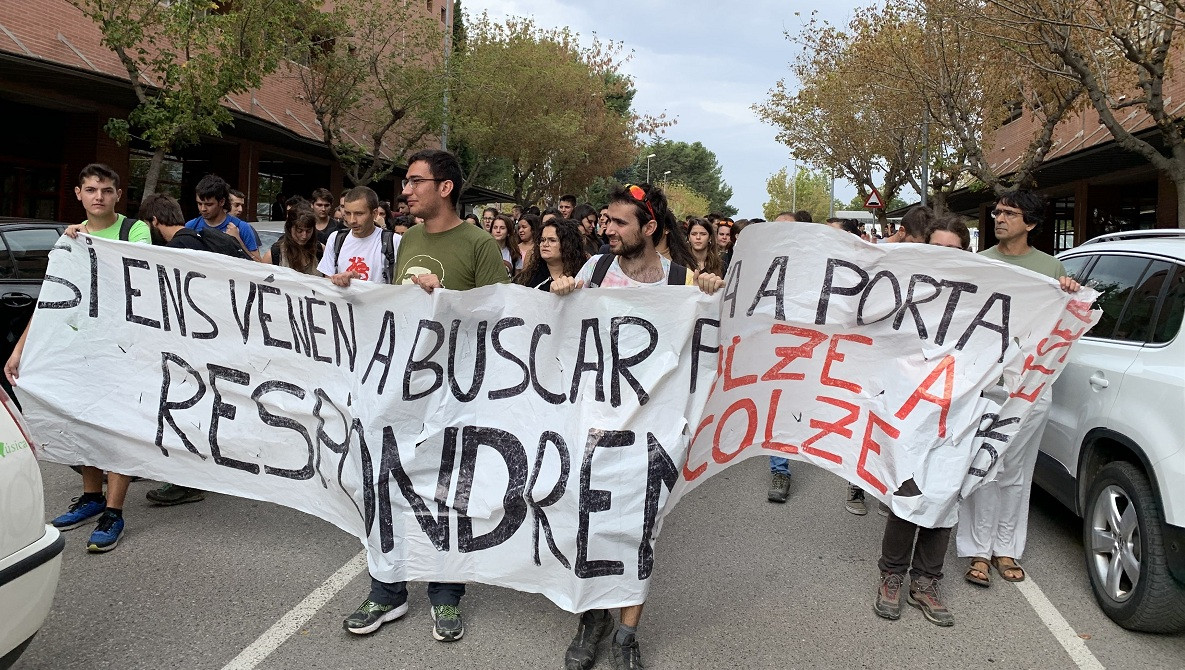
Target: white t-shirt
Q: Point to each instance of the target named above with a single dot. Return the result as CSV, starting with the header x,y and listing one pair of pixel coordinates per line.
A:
x,y
360,254
615,278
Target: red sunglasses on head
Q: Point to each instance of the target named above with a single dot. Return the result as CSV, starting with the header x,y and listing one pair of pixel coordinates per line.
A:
x,y
638,194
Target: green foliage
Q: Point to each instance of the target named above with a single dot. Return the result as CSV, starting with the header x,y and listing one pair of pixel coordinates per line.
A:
x,y
685,201
693,165
376,81
184,57
808,189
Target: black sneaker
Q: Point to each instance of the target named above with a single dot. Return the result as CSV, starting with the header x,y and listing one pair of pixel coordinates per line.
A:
x,y
171,494
370,616
855,502
888,596
779,488
447,625
626,655
582,653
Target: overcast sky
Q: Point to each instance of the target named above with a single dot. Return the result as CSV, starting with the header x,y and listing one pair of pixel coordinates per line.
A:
x,y
704,62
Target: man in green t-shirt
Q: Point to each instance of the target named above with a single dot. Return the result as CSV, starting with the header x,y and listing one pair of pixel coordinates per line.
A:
x,y
993,520
441,252
98,191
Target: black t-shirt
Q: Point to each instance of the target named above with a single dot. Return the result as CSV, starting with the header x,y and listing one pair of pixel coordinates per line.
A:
x,y
330,228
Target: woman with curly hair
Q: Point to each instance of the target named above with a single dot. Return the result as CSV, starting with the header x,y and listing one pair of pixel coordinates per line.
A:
x,y
560,252
702,235
298,248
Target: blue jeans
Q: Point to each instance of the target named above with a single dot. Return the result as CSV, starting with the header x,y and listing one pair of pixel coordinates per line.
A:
x,y
395,593
779,465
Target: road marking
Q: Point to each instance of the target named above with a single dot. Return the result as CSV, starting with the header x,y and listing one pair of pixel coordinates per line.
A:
x,y
296,617
1057,624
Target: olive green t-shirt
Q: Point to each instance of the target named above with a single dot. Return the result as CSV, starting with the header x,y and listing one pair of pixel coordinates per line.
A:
x,y
138,233
462,257
1037,261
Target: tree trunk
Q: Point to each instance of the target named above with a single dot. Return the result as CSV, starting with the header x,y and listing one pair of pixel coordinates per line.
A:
x,y
153,177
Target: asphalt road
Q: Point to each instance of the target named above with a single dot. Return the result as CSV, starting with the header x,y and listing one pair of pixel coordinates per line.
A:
x,y
739,582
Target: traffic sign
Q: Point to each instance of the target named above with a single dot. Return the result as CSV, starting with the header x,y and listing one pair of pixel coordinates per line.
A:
x,y
874,201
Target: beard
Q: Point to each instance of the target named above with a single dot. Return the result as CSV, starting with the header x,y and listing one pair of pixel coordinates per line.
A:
x,y
628,250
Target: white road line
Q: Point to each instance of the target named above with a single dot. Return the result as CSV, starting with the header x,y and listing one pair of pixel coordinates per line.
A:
x,y
1057,624
296,617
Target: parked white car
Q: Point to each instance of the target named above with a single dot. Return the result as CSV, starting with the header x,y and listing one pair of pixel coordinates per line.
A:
x,y
30,550
1112,450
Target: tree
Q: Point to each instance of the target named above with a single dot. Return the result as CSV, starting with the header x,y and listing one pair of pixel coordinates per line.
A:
x,y
1120,52
685,201
691,164
183,58
806,189
376,82
547,106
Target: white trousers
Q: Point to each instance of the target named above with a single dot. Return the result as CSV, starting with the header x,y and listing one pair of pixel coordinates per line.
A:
x,y
994,519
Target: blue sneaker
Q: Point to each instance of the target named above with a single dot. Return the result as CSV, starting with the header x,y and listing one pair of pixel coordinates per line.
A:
x,y
107,533
79,513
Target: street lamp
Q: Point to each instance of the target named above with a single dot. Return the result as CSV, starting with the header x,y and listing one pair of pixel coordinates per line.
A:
x,y
648,167
664,178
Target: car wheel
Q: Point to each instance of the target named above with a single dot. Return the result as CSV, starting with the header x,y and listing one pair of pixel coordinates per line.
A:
x,y
1122,538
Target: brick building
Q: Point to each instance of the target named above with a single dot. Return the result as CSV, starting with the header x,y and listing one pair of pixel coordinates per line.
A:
x,y
59,86
1093,185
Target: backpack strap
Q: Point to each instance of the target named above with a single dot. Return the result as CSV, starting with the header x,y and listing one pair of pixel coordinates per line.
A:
x,y
338,242
389,254
677,275
600,270
277,253
125,227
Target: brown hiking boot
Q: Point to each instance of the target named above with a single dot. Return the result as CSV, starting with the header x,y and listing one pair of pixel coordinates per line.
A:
x,y
924,595
888,596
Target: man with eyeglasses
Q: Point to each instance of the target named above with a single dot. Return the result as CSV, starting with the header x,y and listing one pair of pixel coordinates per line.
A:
x,y
442,252
993,521
636,219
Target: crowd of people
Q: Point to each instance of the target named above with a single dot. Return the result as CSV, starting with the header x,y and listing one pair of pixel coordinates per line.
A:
x,y
632,240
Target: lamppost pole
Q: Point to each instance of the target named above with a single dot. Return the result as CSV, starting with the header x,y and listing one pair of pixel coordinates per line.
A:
x,y
664,179
648,167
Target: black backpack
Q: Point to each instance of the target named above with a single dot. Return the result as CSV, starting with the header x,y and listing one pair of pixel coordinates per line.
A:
x,y
125,228
388,251
676,277
218,242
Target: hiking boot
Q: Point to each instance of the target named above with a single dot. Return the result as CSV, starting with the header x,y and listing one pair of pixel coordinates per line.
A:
x,y
80,512
106,534
370,616
447,625
924,595
883,509
171,494
779,488
855,502
888,596
626,655
582,652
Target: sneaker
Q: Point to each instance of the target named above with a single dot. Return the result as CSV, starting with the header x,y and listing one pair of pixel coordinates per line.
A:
x,y
882,509
370,616
171,494
626,655
79,513
779,488
924,595
888,596
855,502
106,534
582,653
447,625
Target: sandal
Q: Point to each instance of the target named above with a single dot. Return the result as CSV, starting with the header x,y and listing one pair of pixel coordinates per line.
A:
x,y
1008,568
979,573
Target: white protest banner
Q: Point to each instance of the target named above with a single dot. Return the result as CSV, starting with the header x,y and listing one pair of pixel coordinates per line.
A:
x,y
507,436
880,362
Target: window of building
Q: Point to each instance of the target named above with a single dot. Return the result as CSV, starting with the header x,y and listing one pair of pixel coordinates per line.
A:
x,y
30,191
269,190
429,6
1063,224
443,15
169,181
